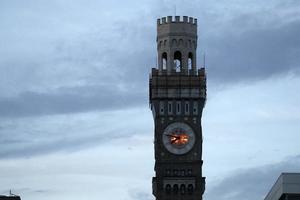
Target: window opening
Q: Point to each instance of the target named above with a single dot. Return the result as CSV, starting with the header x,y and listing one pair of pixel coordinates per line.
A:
x,y
195,108
178,110
164,61
161,107
187,108
182,189
190,61
177,61
170,107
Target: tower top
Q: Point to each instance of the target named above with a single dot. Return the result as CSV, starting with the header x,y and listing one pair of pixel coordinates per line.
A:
x,y
176,45
176,19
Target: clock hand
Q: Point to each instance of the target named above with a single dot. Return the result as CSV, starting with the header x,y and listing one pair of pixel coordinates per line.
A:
x,y
175,136
173,141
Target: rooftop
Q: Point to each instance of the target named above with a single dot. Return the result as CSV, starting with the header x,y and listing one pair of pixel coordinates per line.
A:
x,y
287,183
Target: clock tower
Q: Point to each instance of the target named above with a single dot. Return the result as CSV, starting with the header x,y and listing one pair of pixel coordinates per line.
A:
x,y
177,97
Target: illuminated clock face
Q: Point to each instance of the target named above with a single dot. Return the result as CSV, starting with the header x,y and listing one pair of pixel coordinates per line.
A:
x,y
178,138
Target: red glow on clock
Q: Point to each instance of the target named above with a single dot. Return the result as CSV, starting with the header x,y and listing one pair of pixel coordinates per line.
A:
x,y
179,139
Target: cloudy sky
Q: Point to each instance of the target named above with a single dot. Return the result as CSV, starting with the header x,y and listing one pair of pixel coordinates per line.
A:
x,y
74,115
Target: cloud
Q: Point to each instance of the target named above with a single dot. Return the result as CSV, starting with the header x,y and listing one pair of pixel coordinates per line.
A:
x,y
73,76
109,55
100,68
254,54
253,183
33,136
70,100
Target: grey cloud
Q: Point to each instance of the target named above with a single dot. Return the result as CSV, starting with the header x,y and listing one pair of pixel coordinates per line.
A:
x,y
68,100
39,135
41,146
111,67
121,53
253,54
253,183
35,142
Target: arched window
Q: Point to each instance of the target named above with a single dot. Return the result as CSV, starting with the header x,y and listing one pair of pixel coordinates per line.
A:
x,y
177,61
160,45
164,61
180,42
174,43
175,188
168,188
190,61
165,43
190,189
182,188
190,43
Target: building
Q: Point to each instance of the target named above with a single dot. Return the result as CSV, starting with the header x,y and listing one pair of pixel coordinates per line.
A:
x,y
287,187
11,197
177,97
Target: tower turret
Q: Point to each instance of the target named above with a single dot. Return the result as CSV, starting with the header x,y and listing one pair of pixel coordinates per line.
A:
x,y
177,44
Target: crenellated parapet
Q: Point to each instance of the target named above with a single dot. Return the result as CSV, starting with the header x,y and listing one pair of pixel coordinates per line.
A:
x,y
176,26
177,19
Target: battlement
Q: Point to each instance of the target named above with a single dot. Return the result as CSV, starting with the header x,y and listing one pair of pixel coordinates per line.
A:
x,y
177,19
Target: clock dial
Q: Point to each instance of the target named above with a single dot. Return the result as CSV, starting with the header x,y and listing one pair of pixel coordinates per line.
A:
x,y
178,138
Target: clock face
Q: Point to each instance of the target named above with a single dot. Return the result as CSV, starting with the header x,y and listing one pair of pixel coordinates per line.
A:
x,y
178,138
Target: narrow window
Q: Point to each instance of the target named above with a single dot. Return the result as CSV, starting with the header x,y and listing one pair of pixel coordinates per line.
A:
x,y
190,61
178,108
164,61
195,108
187,110
169,108
161,108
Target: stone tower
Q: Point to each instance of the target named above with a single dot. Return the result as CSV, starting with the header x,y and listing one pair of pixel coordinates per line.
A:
x,y
177,97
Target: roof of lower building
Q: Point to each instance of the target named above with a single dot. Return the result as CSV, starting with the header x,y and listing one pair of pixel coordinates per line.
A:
x,y
11,197
287,183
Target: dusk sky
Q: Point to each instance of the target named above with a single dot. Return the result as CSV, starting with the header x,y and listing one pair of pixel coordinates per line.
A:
x,y
75,122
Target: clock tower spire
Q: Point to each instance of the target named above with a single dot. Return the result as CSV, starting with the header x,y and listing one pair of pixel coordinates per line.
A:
x,y
177,97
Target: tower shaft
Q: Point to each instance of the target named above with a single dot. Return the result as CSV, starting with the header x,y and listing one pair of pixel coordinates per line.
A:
x,y
177,98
